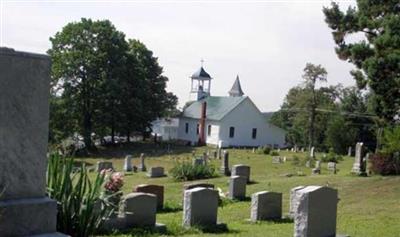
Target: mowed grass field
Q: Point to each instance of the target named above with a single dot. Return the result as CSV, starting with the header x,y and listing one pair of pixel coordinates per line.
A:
x,y
368,206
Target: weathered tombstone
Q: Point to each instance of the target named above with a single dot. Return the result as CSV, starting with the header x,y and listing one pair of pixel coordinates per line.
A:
x,y
142,166
332,166
277,160
266,206
308,163
237,187
225,164
157,190
358,166
317,169
205,158
293,202
241,170
128,163
25,209
312,152
349,152
189,186
104,165
315,215
200,207
139,209
302,149
156,172
215,154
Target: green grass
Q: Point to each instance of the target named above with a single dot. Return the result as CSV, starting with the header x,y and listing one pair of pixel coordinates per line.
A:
x,y
368,207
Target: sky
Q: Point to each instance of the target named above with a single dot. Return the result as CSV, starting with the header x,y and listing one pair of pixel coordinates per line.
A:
x,y
266,43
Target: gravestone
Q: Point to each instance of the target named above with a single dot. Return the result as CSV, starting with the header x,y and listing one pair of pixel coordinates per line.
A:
x,y
225,164
317,169
308,163
332,166
358,166
200,207
215,154
156,172
312,152
316,211
142,166
293,201
189,186
128,163
157,190
139,209
237,187
219,151
349,152
241,170
277,160
25,209
266,206
104,165
205,158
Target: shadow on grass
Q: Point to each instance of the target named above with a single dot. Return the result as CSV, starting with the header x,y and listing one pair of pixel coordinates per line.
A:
x,y
251,182
170,209
220,228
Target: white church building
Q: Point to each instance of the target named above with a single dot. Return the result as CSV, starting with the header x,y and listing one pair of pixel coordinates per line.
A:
x,y
228,121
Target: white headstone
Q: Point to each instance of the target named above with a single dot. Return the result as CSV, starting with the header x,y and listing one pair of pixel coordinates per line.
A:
x,y
266,206
200,207
128,163
316,211
237,187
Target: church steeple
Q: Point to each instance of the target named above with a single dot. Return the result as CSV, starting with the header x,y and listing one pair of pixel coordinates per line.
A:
x,y
201,83
236,89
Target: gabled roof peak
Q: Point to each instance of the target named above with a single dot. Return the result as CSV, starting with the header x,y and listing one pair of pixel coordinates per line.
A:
x,y
236,89
201,73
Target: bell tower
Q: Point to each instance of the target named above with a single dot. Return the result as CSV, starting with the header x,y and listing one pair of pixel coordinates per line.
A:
x,y
201,83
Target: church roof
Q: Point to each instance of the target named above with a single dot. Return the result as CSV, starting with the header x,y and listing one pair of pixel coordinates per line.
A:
x,y
217,107
201,73
236,89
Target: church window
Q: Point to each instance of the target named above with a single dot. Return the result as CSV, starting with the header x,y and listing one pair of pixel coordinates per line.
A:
x,y
198,129
254,133
186,128
209,130
231,132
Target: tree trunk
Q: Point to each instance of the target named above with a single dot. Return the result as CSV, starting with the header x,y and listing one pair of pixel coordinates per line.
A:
x,y
87,132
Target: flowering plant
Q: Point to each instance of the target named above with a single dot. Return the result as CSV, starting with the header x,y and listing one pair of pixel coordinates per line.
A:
x,y
114,181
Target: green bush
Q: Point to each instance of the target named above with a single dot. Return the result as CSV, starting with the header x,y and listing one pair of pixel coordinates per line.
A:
x,y
184,171
332,157
274,153
264,150
296,161
81,204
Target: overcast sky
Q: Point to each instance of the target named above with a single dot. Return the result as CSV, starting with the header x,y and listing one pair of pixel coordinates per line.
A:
x,y
267,43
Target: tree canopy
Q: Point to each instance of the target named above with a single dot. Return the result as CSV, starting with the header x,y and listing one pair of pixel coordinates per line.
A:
x,y
377,55
107,84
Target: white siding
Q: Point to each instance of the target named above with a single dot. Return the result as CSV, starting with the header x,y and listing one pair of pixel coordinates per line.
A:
x,y
244,118
214,136
192,135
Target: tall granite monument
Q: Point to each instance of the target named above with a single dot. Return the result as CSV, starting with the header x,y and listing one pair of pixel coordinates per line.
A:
x,y
24,120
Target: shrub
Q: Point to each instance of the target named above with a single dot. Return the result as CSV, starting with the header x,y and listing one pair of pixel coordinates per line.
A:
x,y
296,161
81,204
332,157
264,150
184,171
385,164
274,153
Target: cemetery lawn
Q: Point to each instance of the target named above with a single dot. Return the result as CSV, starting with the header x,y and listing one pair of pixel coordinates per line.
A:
x,y
368,206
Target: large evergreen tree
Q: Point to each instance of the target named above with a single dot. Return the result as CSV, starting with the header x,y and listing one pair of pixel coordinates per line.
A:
x,y
377,56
